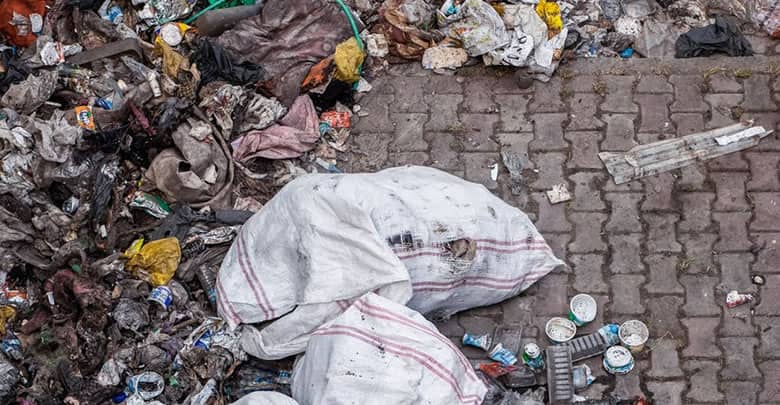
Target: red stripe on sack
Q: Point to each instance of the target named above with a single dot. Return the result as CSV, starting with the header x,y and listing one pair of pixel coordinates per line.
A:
x,y
404,351
451,285
479,248
509,242
392,316
226,304
247,272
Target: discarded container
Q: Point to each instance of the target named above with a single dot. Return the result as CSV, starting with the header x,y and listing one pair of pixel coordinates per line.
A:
x,y
208,280
481,341
618,360
503,355
594,344
560,330
509,336
734,298
496,369
559,374
582,309
146,386
582,377
523,377
532,356
161,295
633,335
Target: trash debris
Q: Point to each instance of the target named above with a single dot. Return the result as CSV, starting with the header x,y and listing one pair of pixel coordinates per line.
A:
x,y
633,335
483,342
758,279
582,377
582,309
444,57
723,36
560,330
670,154
559,193
560,381
734,298
618,360
532,356
594,344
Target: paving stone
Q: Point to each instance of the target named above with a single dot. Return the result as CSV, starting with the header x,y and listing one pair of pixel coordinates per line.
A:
x,y
587,272
768,255
701,337
667,393
411,95
625,253
771,372
553,287
735,272
730,188
517,142
654,84
618,97
624,212
583,110
628,385
654,112
770,305
444,113
444,151
552,218
703,381
584,150
512,108
741,392
581,83
664,317
733,231
725,84
663,275
736,321
651,137
664,360
696,212
437,84
620,135
478,135
626,296
550,166
764,171
687,94
659,190
450,327
478,168
766,212
587,226
547,98
688,123
698,248
373,149
721,111
407,158
409,132
692,178
738,357
378,119
548,132
758,94
476,324
477,97
518,310
700,296
587,191
661,236
769,335
558,242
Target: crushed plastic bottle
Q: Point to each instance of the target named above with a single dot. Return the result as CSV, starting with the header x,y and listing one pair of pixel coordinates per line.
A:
x,y
144,386
594,344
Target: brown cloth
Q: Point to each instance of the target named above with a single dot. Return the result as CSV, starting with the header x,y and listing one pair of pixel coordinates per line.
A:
x,y
404,39
287,38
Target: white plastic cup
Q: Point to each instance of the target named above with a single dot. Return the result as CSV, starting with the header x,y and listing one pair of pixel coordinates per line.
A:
x,y
633,335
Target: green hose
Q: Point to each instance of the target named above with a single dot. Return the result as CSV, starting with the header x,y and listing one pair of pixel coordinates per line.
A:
x,y
201,12
352,23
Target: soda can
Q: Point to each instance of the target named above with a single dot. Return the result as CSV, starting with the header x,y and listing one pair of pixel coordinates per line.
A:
x,y
502,355
162,295
618,360
582,309
532,356
481,341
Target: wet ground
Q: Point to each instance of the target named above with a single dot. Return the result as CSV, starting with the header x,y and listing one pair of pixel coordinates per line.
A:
x,y
664,249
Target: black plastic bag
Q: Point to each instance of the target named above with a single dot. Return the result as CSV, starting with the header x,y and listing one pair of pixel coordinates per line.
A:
x,y
15,70
214,64
722,37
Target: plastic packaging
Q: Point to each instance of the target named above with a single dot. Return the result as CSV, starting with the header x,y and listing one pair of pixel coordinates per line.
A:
x,y
208,280
594,344
550,12
205,394
496,370
151,204
7,313
156,261
503,355
582,377
559,374
348,58
484,342
145,386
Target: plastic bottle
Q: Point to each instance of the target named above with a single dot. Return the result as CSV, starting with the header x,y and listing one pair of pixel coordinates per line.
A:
x,y
208,280
146,386
594,344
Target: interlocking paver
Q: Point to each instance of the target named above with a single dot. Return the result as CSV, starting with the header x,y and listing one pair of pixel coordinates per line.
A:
x,y
663,275
587,231
687,94
700,295
478,168
654,112
696,212
584,149
698,257
477,97
664,360
512,108
764,171
702,340
735,271
769,336
583,110
552,217
409,132
733,231
548,132
664,317
587,273
703,381
770,305
661,236
693,177
766,212
738,353
771,372
730,189
660,192
550,166
741,392
688,123
768,256
624,212
445,148
669,392
758,92
627,298
620,134
479,132
587,188
723,109
725,84
547,98
619,97
625,253
444,113
654,84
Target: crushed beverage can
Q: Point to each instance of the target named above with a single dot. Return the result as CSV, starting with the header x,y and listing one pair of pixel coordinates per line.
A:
x,y
734,298
532,356
503,355
161,295
618,360
481,341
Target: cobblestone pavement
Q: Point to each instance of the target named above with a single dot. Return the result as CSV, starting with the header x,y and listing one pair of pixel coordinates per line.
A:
x,y
664,249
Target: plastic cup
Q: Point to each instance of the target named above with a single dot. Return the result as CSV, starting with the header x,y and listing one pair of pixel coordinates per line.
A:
x,y
582,309
633,335
560,330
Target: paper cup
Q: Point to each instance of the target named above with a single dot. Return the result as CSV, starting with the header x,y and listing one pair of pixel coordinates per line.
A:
x,y
560,330
633,335
582,309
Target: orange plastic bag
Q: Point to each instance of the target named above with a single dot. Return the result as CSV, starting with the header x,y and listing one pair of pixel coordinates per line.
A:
x,y
15,20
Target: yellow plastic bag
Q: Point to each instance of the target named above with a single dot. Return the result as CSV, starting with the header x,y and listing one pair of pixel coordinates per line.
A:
x,y
7,313
156,261
550,12
348,58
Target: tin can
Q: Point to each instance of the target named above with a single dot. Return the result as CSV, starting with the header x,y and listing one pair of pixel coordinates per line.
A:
x,y
481,341
633,335
582,309
503,355
618,360
560,330
162,295
532,356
